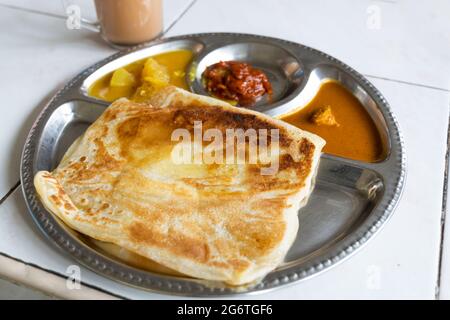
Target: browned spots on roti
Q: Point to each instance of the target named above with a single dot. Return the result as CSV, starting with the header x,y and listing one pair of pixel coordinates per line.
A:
x,y
177,243
103,160
127,130
69,206
55,199
110,114
105,206
214,215
256,239
77,165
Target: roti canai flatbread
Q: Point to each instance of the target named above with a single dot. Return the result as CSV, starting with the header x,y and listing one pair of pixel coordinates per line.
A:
x,y
119,183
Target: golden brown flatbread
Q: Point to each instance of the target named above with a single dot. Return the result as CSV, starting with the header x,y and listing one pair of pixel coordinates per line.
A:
x,y
118,183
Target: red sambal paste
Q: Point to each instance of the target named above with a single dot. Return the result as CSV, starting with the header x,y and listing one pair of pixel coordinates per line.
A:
x,y
236,81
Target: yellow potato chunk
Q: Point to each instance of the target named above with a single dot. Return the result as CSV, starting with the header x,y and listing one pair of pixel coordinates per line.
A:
x,y
155,72
122,78
324,116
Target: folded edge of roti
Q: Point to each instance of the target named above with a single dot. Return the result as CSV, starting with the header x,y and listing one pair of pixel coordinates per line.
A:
x,y
236,237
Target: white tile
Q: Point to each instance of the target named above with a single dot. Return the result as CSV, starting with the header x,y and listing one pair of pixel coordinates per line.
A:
x,y
59,7
400,262
33,280
406,252
39,55
17,227
172,8
409,45
445,265
11,291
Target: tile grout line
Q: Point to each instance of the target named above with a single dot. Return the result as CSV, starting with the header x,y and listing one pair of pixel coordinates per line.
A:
x,y
29,10
53,272
57,274
3,199
443,215
180,16
407,82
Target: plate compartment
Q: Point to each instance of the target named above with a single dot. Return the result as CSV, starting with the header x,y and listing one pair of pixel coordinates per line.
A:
x,y
351,202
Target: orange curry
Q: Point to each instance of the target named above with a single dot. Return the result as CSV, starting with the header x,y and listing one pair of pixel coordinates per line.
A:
x,y
338,117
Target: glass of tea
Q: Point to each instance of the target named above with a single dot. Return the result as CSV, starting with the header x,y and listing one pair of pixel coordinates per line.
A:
x,y
127,22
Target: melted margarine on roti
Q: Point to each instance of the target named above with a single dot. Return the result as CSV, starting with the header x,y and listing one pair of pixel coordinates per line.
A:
x,y
226,222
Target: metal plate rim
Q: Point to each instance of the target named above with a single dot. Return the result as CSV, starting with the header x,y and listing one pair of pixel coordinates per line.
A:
x,y
162,284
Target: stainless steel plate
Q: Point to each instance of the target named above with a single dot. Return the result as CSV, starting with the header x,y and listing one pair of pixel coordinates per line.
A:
x,y
350,203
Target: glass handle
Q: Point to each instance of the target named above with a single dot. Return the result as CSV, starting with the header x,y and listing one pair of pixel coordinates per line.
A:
x,y
93,26
75,21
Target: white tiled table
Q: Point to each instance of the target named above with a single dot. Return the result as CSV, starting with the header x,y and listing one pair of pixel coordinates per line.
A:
x,y
405,54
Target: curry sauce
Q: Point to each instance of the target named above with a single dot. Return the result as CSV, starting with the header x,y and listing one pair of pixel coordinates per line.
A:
x,y
352,133
174,63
